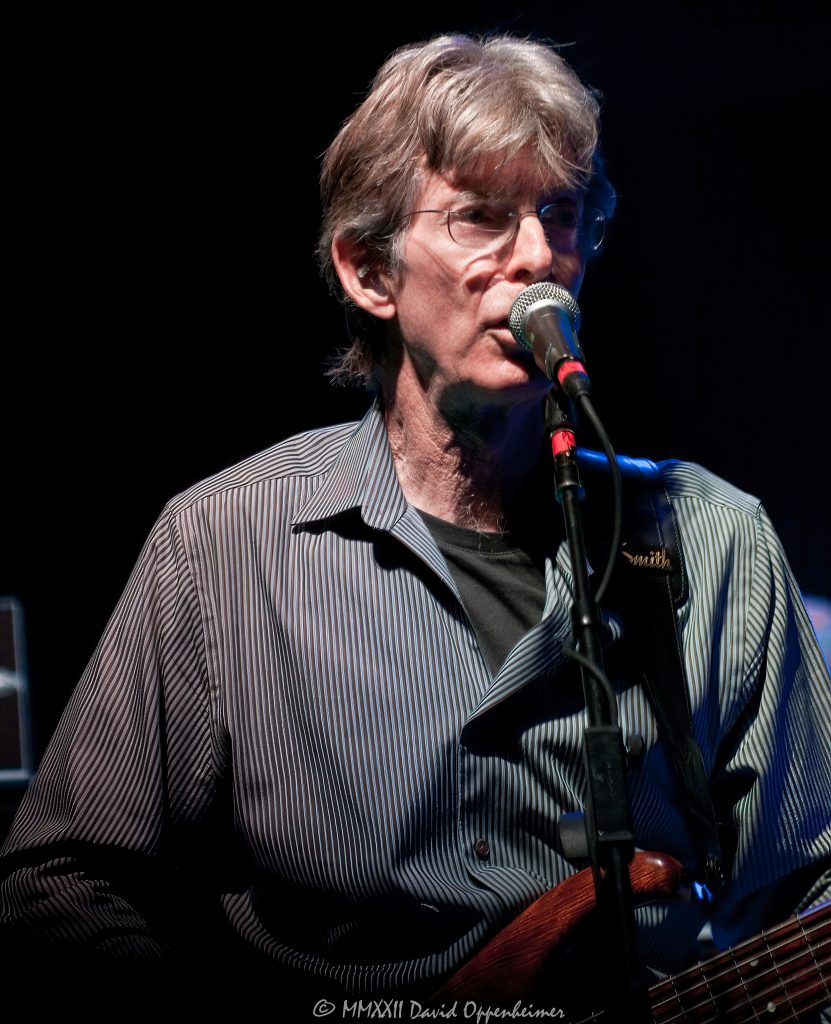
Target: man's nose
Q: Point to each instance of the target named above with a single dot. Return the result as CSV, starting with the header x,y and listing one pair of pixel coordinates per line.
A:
x,y
531,256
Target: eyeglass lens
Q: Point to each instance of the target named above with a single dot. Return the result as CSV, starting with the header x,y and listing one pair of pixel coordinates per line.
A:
x,y
565,230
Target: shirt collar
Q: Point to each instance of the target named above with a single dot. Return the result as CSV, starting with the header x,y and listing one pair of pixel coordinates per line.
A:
x,y
363,477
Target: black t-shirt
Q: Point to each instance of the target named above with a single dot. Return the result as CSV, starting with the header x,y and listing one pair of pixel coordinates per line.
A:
x,y
501,579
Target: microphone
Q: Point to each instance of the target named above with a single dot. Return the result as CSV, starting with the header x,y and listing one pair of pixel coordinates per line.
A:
x,y
545,319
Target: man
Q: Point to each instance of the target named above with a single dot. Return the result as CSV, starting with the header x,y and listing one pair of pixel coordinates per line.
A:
x,y
331,728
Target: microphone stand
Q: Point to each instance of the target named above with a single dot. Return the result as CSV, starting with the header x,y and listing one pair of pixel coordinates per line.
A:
x,y
607,822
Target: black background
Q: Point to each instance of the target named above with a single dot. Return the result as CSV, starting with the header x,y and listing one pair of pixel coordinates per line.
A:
x,y
166,316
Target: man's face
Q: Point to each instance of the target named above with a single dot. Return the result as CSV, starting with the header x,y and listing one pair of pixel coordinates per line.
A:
x,y
452,303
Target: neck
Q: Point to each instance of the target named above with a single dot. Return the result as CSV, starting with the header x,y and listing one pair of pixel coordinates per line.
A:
x,y
465,465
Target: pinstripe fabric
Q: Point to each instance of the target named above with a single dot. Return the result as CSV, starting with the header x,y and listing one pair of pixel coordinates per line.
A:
x,y
290,655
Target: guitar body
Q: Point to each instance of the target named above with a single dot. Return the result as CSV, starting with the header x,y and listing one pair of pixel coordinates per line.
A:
x,y
516,961
779,975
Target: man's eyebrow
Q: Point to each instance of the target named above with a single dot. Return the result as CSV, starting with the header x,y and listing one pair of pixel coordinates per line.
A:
x,y
561,195
476,196
484,195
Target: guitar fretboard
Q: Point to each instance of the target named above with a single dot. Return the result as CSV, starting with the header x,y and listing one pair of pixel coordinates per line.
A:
x,y
777,975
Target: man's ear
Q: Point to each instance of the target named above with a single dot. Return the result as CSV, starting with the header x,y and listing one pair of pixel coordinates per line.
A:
x,y
367,286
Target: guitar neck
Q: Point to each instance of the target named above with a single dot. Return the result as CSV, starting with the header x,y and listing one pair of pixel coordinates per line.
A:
x,y
777,975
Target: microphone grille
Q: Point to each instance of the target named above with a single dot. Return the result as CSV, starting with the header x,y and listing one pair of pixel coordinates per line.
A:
x,y
535,293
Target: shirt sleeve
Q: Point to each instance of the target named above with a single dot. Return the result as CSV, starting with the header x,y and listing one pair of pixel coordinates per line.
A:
x,y
126,783
773,779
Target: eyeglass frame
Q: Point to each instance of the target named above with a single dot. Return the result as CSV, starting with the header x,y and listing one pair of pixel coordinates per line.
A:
x,y
519,214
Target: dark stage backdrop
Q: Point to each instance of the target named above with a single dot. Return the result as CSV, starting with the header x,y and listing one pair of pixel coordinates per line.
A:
x,y
167,317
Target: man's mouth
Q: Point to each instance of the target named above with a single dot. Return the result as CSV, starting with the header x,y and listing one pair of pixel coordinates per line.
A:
x,y
505,331
501,325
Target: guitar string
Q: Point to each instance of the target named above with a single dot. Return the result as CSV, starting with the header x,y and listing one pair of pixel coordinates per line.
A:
x,y
720,967
708,1014
714,993
794,1014
816,989
708,1005
695,977
812,951
716,1016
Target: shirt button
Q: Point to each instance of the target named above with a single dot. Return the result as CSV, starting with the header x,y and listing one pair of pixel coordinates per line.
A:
x,y
482,848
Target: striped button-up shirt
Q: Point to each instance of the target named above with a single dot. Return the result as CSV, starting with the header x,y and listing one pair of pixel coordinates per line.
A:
x,y
289,715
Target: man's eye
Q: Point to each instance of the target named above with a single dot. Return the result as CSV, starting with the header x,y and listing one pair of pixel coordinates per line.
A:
x,y
480,217
561,217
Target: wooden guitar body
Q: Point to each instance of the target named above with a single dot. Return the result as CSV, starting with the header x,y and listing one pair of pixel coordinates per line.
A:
x,y
778,975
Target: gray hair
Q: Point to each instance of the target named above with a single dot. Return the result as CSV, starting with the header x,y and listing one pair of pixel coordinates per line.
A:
x,y
441,106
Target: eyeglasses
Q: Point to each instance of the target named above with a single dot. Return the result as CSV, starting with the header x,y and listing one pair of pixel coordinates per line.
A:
x,y
484,226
